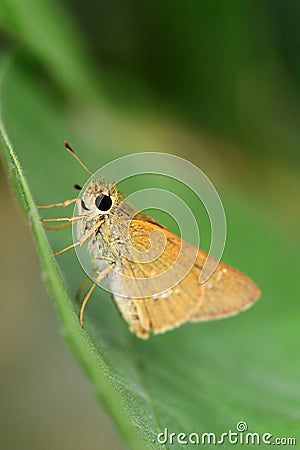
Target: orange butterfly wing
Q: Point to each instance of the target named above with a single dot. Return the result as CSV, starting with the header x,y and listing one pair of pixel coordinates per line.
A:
x,y
225,293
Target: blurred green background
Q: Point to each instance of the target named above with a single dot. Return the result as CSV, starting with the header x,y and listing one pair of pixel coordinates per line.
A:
x,y
215,82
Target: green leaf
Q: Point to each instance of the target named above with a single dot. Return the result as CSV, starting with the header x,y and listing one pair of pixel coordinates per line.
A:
x,y
198,378
91,358
45,28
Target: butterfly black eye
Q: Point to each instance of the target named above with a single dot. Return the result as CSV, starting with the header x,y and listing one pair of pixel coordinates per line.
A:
x,y
83,205
103,202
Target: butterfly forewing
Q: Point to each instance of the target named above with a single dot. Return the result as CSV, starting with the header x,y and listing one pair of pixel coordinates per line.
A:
x,y
225,293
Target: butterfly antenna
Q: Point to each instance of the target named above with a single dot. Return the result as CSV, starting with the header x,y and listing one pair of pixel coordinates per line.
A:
x,y
70,150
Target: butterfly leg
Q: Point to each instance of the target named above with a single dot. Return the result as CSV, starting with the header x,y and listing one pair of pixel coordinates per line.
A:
x,y
88,278
57,227
81,289
53,205
86,298
83,285
81,241
62,219
58,219
65,249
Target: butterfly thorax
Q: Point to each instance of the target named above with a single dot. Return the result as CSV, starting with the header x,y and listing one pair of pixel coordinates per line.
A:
x,y
108,229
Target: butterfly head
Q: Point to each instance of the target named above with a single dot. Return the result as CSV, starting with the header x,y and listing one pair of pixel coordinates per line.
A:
x,y
100,198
